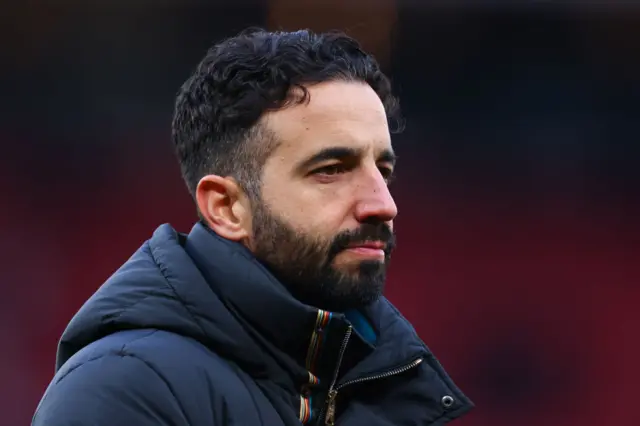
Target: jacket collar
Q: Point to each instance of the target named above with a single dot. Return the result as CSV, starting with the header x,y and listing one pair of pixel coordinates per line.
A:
x,y
253,295
305,338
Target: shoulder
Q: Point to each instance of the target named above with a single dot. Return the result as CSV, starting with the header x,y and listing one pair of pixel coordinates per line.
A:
x,y
156,369
109,386
175,358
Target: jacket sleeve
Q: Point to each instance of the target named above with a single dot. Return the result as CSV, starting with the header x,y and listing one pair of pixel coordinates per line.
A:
x,y
112,390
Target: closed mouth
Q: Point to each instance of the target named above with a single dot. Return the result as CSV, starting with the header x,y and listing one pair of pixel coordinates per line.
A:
x,y
372,245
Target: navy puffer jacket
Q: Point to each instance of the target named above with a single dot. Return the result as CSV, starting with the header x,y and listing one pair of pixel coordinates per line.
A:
x,y
192,330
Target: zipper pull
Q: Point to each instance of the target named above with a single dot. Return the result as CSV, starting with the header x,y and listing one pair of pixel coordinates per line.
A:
x,y
330,417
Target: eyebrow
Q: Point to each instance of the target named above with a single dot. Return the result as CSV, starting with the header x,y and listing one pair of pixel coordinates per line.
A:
x,y
341,153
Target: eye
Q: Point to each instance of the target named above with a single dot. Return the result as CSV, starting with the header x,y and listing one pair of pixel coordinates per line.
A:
x,y
387,174
330,170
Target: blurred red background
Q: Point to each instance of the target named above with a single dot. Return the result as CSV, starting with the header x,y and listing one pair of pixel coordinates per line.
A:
x,y
518,239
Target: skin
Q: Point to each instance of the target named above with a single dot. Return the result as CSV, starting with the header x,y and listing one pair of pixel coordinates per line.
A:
x,y
324,220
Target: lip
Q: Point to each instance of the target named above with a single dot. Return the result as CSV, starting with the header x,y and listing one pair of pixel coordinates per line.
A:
x,y
370,249
374,245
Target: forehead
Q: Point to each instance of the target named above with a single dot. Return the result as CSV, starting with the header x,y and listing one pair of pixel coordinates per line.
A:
x,y
348,114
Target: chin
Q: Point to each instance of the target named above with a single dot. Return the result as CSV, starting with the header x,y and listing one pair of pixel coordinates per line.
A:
x,y
362,270
351,263
351,269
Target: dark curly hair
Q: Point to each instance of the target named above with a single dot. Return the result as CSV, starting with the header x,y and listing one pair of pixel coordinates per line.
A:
x,y
215,126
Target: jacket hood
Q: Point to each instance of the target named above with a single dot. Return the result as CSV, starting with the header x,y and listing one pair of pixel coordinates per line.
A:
x,y
159,287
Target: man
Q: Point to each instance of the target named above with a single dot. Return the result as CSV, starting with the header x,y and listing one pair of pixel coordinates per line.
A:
x,y
269,312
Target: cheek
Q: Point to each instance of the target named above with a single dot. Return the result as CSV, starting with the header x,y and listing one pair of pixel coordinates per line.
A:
x,y
311,208
326,213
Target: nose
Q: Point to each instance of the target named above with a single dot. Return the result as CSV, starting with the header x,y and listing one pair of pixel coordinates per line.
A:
x,y
375,202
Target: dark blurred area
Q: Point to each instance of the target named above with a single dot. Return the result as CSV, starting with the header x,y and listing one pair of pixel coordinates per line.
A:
x,y
519,241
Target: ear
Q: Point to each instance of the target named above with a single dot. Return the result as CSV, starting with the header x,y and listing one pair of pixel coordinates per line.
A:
x,y
224,207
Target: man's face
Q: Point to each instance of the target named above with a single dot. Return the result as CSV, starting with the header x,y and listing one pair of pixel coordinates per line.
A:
x,y
324,222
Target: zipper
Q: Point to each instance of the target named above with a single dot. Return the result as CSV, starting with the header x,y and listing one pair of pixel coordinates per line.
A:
x,y
330,410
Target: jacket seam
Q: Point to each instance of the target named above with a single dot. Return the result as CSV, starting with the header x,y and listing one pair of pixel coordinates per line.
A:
x,y
163,269
121,354
253,399
440,372
75,367
56,381
131,305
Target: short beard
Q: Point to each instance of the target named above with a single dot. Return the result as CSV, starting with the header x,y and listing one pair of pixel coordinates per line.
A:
x,y
304,264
